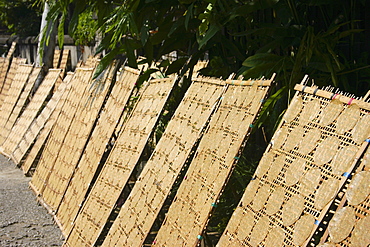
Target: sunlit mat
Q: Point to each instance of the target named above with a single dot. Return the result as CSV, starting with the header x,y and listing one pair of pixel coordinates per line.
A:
x,y
75,140
14,92
218,152
351,222
24,98
310,157
31,111
90,160
79,84
120,164
30,161
64,57
140,210
8,82
4,70
37,125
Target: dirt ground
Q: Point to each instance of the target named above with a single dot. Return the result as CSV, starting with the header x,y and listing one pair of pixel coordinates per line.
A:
x,y
23,222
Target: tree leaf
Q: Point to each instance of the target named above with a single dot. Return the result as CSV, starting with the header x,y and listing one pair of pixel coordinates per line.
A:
x,y
212,30
261,58
61,30
176,66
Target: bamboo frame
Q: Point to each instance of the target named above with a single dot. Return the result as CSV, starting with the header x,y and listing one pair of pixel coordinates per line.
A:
x,y
235,232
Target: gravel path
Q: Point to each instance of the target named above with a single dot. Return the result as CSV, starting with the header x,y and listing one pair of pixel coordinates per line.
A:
x,y
23,222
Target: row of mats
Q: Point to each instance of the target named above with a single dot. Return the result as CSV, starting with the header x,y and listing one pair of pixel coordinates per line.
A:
x,y
312,179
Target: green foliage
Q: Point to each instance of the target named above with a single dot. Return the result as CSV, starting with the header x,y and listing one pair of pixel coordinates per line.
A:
x,y
325,39
20,17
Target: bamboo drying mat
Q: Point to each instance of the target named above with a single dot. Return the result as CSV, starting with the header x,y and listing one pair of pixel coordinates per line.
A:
x,y
37,125
73,143
89,162
14,92
8,82
31,111
79,84
353,212
4,70
141,208
76,138
120,164
24,98
64,59
214,160
30,161
56,58
308,160
3,63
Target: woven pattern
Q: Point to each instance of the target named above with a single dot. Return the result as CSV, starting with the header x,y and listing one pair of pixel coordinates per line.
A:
x,y
140,210
60,129
31,160
31,111
29,137
9,77
351,222
56,58
6,86
4,70
95,148
299,175
215,158
14,92
120,164
26,93
74,142
64,59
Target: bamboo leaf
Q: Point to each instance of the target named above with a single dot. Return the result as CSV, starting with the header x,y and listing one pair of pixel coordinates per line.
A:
x,y
61,31
212,30
176,66
261,58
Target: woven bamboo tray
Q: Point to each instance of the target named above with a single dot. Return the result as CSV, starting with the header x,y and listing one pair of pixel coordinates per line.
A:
x,y
14,92
300,173
26,94
60,129
214,160
4,71
76,138
90,160
37,125
147,197
350,222
9,75
30,161
31,111
120,164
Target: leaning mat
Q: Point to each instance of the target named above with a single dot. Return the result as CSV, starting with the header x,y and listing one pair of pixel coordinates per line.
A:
x,y
31,157
20,148
217,154
149,193
4,69
31,111
319,141
79,83
88,165
9,76
14,92
24,98
120,164
75,140
351,221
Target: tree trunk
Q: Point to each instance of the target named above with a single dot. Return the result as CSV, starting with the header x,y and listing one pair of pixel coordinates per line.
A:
x,y
45,57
